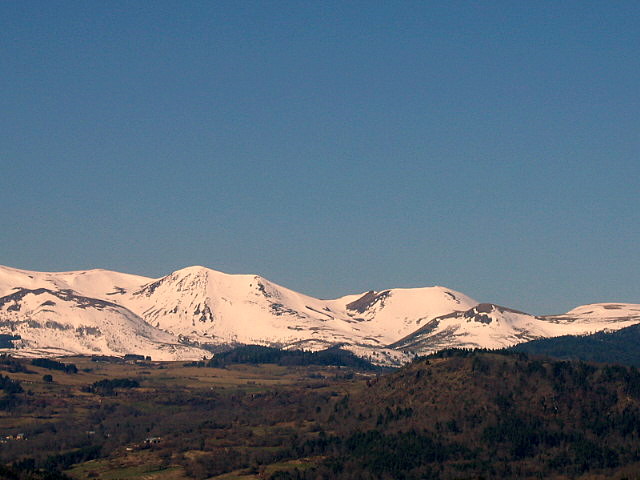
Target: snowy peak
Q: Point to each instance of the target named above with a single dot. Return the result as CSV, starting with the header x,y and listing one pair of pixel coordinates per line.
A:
x,y
197,301
418,300
187,279
395,313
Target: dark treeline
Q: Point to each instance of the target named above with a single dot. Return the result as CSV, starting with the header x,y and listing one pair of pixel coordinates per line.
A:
x,y
257,354
25,472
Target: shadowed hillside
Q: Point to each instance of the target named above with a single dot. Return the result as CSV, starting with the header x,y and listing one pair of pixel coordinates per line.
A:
x,y
614,347
461,414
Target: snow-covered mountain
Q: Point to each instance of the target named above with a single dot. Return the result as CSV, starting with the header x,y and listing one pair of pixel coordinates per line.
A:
x,y
197,302
194,310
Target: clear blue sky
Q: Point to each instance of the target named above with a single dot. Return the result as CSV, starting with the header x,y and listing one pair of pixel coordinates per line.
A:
x,y
332,147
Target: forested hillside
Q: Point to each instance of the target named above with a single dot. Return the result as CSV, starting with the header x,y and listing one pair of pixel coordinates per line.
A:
x,y
470,414
614,347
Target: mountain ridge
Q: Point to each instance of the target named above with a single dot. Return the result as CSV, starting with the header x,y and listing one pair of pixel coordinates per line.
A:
x,y
196,310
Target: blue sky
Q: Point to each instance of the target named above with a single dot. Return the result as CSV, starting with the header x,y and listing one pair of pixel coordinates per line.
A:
x,y
332,147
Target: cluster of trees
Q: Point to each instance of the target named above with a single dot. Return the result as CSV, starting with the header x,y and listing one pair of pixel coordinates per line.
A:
x,y
109,386
11,388
6,340
54,365
10,364
136,357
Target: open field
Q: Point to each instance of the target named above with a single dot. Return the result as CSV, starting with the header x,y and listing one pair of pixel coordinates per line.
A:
x,y
188,411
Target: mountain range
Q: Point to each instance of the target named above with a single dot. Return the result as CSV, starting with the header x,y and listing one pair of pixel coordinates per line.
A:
x,y
195,311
